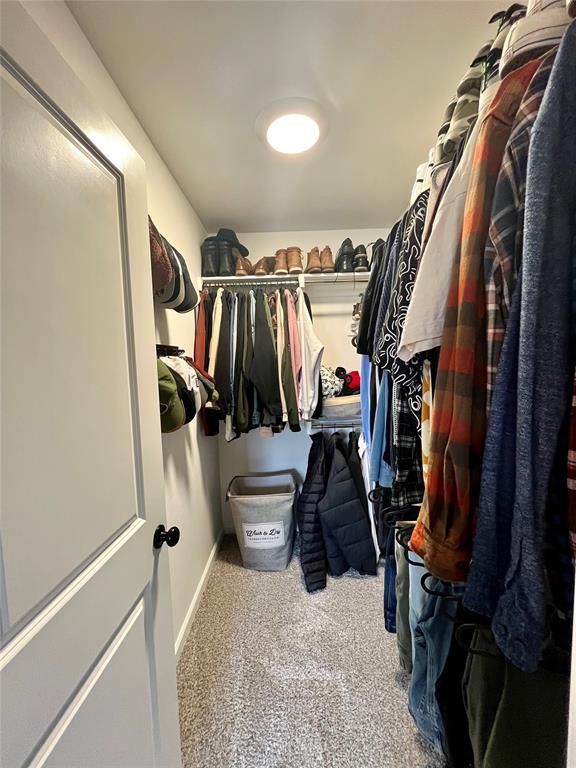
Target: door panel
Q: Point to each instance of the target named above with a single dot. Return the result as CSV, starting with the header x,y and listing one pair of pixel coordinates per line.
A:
x,y
59,648
87,667
75,739
63,291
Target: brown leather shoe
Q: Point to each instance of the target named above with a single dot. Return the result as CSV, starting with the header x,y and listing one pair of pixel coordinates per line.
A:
x,y
294,255
281,266
327,260
314,264
265,266
243,265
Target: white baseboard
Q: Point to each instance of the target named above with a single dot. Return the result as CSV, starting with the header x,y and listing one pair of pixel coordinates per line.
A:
x,y
190,613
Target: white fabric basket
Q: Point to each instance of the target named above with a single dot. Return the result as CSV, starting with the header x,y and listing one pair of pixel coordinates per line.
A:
x,y
262,507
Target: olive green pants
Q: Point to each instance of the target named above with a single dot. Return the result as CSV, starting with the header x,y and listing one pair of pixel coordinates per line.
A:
x,y
516,719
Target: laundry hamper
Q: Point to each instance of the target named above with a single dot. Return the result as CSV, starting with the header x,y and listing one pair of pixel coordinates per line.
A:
x,y
263,508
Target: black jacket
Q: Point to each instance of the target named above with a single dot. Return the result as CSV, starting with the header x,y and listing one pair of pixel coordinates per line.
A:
x,y
263,368
312,550
370,295
345,524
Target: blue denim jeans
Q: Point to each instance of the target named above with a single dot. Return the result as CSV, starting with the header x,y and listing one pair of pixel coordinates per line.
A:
x,y
390,582
432,639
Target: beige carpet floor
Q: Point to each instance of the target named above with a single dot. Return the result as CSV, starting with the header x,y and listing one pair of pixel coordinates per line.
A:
x,y
272,677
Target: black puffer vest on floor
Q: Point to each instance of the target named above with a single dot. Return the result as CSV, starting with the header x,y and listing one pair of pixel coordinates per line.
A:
x,y
312,550
345,524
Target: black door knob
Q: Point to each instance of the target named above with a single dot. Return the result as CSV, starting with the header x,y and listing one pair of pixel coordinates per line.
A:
x,y
170,536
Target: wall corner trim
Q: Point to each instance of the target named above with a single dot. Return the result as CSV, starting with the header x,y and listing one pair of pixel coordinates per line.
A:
x,y
195,602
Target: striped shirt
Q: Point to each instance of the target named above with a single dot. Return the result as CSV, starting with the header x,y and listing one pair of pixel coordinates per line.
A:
x,y
504,245
459,414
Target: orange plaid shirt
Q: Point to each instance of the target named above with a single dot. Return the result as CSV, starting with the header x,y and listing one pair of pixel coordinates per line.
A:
x,y
443,536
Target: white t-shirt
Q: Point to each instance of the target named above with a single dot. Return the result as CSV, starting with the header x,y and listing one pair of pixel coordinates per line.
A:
x,y
216,323
312,350
424,321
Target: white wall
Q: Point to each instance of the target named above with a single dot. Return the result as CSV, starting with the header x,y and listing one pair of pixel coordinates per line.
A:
x,y
332,310
190,460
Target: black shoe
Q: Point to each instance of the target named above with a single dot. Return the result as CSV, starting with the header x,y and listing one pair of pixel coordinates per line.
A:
x,y
345,257
210,260
361,259
227,261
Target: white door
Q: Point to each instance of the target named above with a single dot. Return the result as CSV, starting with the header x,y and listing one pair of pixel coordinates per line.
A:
x,y
87,668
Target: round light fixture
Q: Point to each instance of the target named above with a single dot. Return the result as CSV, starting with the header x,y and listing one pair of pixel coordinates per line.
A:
x,y
293,133
292,126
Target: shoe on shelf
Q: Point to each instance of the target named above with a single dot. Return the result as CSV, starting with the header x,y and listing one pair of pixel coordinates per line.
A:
x,y
327,260
265,266
345,257
231,237
210,260
226,260
281,265
361,259
314,265
243,265
294,259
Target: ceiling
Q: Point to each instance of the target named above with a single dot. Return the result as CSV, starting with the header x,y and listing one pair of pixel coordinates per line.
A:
x,y
197,75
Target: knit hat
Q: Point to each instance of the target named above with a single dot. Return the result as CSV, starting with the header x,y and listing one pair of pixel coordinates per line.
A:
x,y
172,414
540,30
571,5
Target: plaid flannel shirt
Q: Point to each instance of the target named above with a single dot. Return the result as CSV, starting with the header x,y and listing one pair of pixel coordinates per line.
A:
x,y
504,245
446,522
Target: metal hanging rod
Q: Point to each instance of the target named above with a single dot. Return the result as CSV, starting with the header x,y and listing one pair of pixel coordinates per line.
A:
x,y
357,278
251,282
334,424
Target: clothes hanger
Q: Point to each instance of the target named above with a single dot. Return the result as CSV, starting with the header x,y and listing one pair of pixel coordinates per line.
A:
x,y
435,593
504,16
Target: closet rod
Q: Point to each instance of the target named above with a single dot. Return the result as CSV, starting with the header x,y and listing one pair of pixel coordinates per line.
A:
x,y
235,282
335,424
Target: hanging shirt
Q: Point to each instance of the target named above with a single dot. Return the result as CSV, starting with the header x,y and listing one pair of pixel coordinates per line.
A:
x,y
295,350
380,471
503,252
365,404
459,418
200,337
280,346
263,368
466,107
287,373
542,370
424,323
389,274
426,415
312,350
365,459
215,337
407,373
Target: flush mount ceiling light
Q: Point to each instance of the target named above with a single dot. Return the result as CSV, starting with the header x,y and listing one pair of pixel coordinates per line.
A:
x,y
294,133
291,126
